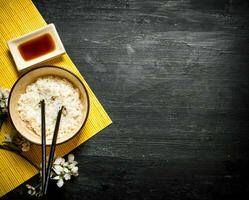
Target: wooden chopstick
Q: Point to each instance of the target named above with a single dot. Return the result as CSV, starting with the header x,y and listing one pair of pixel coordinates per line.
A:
x,y
52,149
43,131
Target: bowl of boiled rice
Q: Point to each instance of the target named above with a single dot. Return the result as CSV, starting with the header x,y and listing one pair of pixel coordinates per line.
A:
x,y
57,87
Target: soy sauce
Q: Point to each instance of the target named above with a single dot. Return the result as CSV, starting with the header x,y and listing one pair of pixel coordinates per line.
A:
x,y
37,47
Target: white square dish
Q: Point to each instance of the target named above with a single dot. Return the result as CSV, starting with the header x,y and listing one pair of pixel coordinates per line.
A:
x,y
23,64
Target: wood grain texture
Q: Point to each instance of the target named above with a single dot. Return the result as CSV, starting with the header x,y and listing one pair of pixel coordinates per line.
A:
x,y
174,77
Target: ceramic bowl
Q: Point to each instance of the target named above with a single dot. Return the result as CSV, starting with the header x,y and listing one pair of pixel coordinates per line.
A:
x,y
23,65
30,77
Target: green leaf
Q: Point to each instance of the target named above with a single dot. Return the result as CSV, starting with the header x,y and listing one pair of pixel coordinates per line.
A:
x,y
10,146
7,142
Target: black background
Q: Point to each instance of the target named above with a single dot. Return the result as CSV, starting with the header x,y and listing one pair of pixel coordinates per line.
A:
x,y
173,75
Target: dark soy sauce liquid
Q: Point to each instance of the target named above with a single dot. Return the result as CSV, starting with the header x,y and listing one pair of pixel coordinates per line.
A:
x,y
37,47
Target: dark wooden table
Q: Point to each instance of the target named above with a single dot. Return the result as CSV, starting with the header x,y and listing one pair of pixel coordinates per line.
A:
x,y
174,77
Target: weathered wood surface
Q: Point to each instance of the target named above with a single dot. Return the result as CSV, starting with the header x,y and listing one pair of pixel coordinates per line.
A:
x,y
174,77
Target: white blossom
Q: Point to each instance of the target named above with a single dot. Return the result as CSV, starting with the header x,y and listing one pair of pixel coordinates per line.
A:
x,y
34,191
13,139
70,157
67,176
4,95
21,143
75,171
56,178
60,182
8,138
58,169
63,170
25,146
59,161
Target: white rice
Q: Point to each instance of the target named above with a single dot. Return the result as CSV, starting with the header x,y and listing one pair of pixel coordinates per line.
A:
x,y
56,92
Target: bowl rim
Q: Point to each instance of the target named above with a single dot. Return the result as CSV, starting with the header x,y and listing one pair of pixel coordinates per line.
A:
x,y
61,68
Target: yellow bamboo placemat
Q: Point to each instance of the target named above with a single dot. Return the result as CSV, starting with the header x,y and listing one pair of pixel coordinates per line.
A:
x,y
18,17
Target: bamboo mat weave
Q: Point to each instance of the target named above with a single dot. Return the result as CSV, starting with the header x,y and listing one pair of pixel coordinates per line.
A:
x,y
18,17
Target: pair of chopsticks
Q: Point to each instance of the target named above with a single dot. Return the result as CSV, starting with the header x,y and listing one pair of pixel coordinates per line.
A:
x,y
46,171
